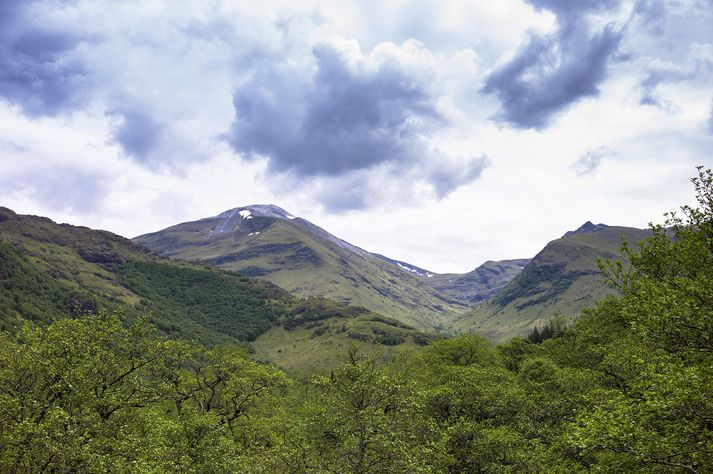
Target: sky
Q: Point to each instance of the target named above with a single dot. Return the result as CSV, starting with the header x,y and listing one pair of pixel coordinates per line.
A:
x,y
443,133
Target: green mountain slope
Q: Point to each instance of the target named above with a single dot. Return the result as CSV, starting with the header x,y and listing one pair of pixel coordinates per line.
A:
x,y
49,271
563,277
267,242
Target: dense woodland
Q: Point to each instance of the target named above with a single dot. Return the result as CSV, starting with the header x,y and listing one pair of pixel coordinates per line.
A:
x,y
626,387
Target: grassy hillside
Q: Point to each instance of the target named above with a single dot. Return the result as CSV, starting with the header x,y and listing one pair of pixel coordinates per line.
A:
x,y
267,242
563,277
317,332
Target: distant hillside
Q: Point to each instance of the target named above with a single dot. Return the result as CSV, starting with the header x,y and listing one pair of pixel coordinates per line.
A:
x,y
268,242
474,287
563,277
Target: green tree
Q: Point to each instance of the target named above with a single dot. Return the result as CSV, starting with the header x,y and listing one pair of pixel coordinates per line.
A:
x,y
464,350
94,395
78,395
360,419
657,410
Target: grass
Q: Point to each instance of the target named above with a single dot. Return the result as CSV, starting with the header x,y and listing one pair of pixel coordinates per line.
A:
x,y
318,345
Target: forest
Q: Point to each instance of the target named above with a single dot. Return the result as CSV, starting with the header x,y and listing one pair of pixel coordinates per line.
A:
x,y
624,387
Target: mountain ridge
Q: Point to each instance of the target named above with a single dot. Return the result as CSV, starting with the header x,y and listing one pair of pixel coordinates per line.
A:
x,y
268,242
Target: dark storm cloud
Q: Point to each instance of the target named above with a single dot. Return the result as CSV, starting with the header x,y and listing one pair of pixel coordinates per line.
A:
x,y
138,133
551,72
37,70
340,119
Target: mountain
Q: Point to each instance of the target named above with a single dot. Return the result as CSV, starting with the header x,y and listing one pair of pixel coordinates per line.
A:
x,y
268,242
50,271
474,287
564,277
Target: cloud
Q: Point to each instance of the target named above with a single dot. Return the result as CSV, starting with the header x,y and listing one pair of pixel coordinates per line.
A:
x,y
352,113
659,72
589,162
568,10
341,117
347,193
651,14
699,63
39,71
550,72
156,138
81,190
710,119
12,147
391,184
449,176
137,132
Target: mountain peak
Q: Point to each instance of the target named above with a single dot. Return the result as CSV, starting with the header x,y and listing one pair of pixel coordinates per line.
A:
x,y
586,227
256,210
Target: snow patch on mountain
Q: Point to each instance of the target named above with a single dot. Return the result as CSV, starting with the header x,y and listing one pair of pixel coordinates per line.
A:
x,y
413,270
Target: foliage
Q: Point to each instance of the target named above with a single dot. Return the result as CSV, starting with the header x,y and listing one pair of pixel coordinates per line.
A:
x,y
554,327
659,410
215,301
92,395
466,350
361,419
28,293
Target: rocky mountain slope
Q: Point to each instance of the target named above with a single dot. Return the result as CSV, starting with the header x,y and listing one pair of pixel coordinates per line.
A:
x,y
564,277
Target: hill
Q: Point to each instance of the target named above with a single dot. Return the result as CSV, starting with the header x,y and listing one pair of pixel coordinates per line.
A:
x,y
49,271
266,241
317,333
562,278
